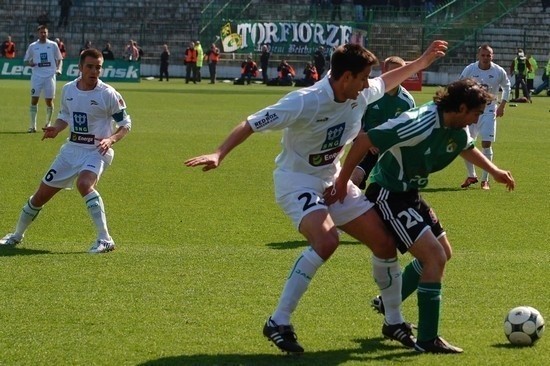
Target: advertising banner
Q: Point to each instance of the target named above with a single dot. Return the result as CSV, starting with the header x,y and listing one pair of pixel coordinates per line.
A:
x,y
298,38
112,70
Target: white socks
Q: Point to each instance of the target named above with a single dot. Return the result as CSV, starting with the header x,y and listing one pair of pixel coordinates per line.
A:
x,y
33,110
49,112
387,275
27,216
296,285
94,203
488,152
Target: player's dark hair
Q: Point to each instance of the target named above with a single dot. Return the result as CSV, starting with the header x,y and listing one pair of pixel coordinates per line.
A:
x,y
466,91
350,57
41,27
89,52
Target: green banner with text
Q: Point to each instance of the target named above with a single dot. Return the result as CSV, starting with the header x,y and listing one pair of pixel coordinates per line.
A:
x,y
112,70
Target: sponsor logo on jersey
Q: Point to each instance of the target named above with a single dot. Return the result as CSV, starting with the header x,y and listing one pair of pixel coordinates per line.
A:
x,y
93,102
353,105
266,120
69,99
82,139
320,120
334,135
325,158
80,121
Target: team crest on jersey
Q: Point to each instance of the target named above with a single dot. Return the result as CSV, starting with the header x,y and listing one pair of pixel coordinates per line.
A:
x,y
334,136
80,122
451,146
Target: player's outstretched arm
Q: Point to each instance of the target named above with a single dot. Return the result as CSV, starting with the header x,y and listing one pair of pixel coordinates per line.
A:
x,y
475,157
212,161
395,77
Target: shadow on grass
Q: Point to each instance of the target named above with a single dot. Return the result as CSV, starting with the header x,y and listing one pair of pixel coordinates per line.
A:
x,y
14,133
301,243
443,189
504,345
9,251
368,350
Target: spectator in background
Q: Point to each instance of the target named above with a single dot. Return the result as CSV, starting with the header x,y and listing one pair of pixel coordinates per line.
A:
x,y
285,73
164,62
43,18
249,69
200,57
87,46
545,80
264,62
65,9
531,73
519,67
107,53
212,56
131,53
319,60
61,46
310,76
140,51
8,48
545,5
190,62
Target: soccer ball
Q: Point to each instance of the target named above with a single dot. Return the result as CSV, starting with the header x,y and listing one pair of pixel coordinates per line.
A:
x,y
523,326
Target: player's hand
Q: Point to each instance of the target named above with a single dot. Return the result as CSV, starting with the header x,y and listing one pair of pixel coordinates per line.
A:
x,y
337,192
435,51
50,132
505,177
104,145
210,161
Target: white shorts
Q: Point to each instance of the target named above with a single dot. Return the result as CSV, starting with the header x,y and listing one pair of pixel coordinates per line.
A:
x,y
73,159
299,194
486,126
46,84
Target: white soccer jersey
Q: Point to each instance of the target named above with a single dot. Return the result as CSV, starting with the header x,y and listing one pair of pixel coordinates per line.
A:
x,y
315,127
90,114
44,55
493,79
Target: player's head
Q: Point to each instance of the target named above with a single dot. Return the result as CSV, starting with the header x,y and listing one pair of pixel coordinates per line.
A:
x,y
393,62
351,57
465,97
485,55
42,31
89,52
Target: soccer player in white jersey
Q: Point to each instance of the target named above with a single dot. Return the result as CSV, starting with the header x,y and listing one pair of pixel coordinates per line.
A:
x,y
421,141
492,77
317,123
91,109
45,59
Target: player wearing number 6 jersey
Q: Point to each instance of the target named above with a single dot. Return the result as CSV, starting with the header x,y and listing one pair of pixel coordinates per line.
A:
x,y
88,107
492,77
317,123
418,142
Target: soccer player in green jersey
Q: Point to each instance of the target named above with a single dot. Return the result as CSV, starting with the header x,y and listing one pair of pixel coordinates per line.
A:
x,y
394,102
421,141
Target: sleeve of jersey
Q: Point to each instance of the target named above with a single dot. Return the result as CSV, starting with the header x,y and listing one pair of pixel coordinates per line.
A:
x,y
64,110
279,115
375,91
505,85
118,111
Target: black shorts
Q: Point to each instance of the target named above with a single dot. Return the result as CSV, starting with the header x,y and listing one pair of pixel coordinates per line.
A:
x,y
406,214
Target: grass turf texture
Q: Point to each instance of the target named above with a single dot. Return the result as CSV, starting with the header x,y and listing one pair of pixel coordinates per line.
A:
x,y
201,257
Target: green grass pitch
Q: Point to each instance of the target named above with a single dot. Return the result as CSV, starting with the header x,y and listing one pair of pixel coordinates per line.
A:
x,y
201,257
